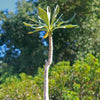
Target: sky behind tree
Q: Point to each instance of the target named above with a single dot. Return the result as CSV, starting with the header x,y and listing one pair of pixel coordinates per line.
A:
x,y
8,4
11,6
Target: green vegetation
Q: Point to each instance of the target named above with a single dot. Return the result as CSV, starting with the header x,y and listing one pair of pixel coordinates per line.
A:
x,y
68,44
48,24
77,82
75,71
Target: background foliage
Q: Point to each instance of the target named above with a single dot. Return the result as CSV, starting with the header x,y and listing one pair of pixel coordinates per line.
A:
x,y
24,53
78,82
69,44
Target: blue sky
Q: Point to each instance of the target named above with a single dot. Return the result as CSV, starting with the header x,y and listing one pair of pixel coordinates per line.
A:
x,y
8,4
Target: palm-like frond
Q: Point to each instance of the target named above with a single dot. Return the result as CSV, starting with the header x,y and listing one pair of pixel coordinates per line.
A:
x,y
48,24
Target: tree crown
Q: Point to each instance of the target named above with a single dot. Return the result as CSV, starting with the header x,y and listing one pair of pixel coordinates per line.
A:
x,y
48,23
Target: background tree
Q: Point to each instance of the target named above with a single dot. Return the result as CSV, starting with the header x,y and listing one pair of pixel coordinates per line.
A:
x,y
79,41
78,82
16,37
84,40
72,42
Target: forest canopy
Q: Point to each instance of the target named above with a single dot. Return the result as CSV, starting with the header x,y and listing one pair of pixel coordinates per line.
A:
x,y
23,51
74,73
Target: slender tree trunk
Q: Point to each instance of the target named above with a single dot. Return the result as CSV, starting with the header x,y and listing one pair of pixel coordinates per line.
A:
x,y
47,65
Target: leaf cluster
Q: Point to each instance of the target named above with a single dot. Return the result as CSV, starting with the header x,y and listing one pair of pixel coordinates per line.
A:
x,y
48,23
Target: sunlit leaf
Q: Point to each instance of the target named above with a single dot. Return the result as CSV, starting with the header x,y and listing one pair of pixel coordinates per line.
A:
x,y
43,15
56,11
40,27
70,26
33,20
0,35
34,31
46,35
26,24
60,23
49,13
66,26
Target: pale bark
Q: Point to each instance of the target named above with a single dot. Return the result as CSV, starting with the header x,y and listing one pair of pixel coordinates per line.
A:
x,y
47,65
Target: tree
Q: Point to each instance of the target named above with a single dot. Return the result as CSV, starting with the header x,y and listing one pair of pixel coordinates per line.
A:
x,y
72,42
78,82
76,41
14,35
48,24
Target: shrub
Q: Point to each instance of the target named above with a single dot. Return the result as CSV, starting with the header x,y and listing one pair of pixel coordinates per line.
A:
x,y
19,88
78,82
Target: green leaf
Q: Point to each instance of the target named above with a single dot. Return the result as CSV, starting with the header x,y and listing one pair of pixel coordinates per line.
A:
x,y
34,31
68,26
43,15
33,20
58,19
26,24
60,23
38,27
64,22
65,26
56,11
70,19
0,34
49,13
38,22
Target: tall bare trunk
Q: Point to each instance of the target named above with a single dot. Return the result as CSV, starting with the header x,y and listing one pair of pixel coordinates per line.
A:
x,y
47,65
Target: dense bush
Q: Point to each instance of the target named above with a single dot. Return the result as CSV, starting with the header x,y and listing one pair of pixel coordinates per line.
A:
x,y
78,82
